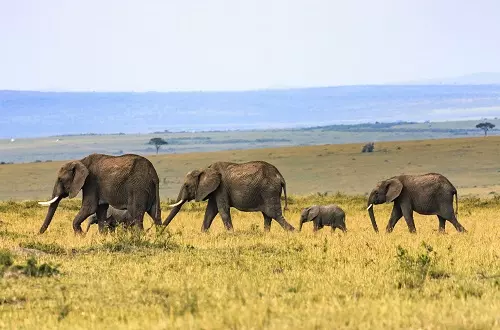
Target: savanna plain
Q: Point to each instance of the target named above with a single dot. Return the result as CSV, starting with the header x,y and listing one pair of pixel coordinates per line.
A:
x,y
249,279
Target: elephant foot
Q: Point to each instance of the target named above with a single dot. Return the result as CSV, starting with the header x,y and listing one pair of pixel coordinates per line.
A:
x,y
79,233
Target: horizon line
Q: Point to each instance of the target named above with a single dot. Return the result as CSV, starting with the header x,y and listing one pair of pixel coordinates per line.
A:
x,y
407,84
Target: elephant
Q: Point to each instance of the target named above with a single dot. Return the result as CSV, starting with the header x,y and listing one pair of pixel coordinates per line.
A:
x,y
426,194
114,217
324,215
249,187
124,182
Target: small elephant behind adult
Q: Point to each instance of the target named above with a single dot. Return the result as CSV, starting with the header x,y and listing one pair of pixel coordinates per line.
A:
x,y
324,215
114,217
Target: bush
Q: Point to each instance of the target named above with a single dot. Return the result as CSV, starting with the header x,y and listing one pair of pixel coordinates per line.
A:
x,y
7,267
6,259
369,147
415,270
31,269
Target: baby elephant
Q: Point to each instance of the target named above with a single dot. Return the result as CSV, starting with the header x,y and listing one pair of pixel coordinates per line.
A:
x,y
324,215
113,218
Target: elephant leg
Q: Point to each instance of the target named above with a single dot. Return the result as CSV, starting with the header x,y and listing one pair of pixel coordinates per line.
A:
x,y
442,224
315,226
284,224
136,217
156,218
210,213
267,222
333,228
450,216
408,215
276,214
86,211
396,214
225,214
136,207
457,224
101,217
139,221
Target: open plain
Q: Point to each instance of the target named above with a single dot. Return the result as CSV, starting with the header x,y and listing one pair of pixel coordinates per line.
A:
x,y
248,279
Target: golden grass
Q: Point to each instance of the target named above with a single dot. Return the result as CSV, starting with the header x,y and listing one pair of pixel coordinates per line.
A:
x,y
253,280
470,163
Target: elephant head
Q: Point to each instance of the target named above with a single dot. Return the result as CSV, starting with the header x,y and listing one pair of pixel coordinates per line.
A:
x,y
308,214
70,180
384,192
198,184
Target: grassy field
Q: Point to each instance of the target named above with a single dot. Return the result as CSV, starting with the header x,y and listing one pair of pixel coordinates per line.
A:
x,y
249,279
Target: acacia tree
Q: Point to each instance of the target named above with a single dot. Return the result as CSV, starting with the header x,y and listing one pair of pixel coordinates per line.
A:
x,y
486,126
157,142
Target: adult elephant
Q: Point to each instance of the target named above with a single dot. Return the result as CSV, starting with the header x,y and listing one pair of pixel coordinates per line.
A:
x,y
427,194
250,186
124,182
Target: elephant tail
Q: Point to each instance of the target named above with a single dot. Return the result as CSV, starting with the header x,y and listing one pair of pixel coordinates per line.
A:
x,y
283,186
157,205
456,202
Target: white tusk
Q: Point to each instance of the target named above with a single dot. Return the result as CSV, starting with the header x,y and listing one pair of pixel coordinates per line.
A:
x,y
369,207
47,203
178,203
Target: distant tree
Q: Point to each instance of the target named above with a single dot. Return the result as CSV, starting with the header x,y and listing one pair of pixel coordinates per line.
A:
x,y
157,142
486,126
369,147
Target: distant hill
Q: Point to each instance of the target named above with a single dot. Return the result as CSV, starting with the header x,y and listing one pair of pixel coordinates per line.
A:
x,y
480,78
35,114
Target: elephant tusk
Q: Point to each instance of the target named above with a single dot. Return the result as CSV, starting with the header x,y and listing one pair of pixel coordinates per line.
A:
x,y
178,203
47,203
369,207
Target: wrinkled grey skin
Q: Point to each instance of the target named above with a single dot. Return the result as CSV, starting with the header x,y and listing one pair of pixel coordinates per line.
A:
x,y
324,215
124,182
427,194
114,217
248,187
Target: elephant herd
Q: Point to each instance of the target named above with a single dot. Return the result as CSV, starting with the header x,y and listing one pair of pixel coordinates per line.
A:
x,y
121,189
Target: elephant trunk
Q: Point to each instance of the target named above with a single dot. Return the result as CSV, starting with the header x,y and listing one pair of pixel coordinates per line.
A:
x,y
92,220
172,214
300,224
371,214
181,199
50,215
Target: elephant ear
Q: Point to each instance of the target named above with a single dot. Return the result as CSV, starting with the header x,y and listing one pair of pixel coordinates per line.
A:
x,y
208,181
80,174
313,213
394,187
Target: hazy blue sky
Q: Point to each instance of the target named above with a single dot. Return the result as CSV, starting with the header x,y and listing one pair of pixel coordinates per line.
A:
x,y
232,44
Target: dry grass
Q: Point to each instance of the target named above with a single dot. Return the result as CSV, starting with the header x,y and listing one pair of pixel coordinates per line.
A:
x,y
251,279
471,164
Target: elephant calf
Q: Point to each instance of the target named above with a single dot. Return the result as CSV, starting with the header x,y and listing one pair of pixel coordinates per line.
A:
x,y
114,217
324,215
